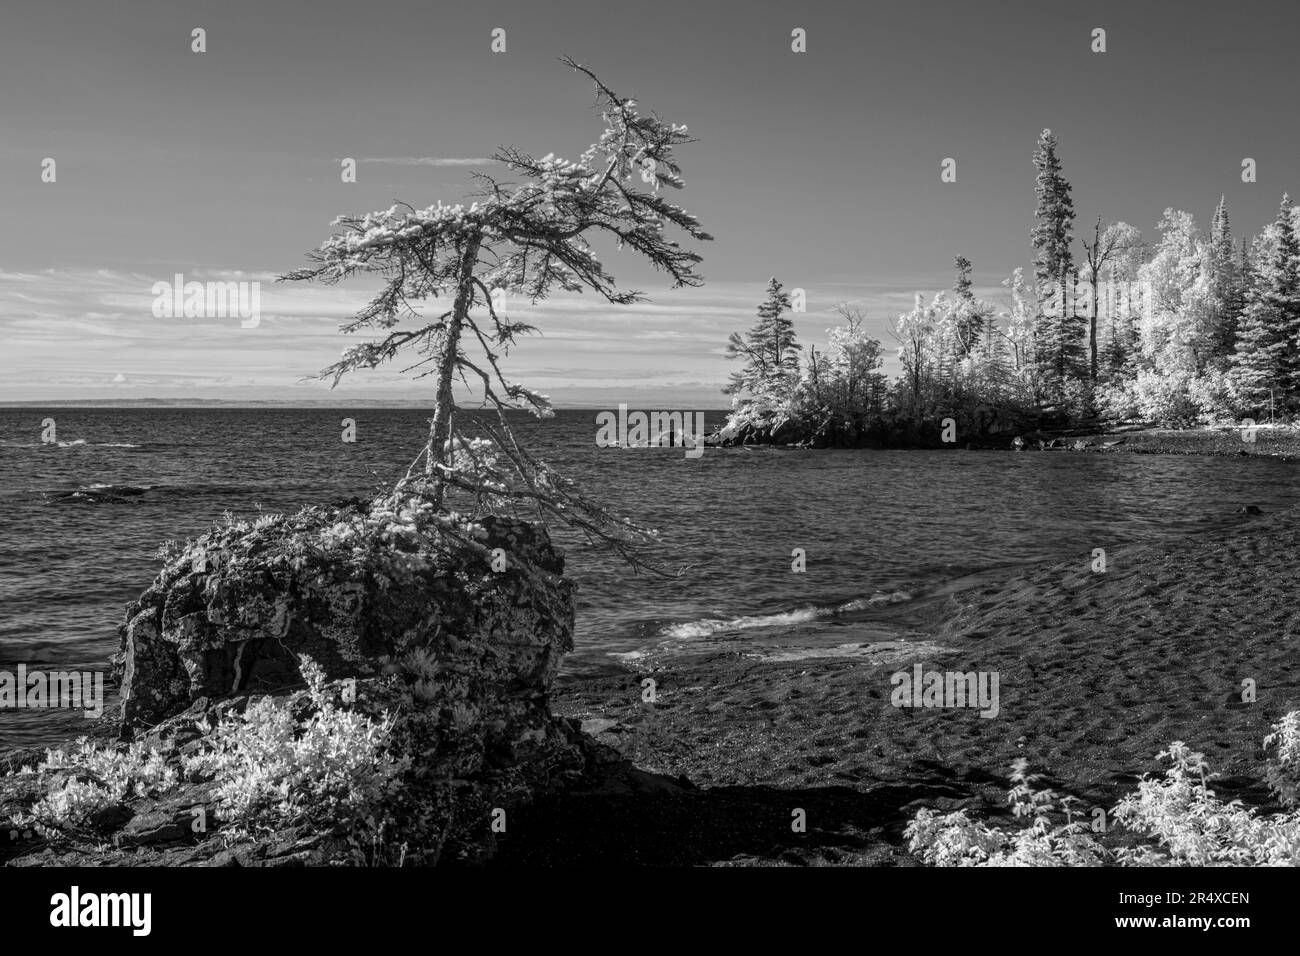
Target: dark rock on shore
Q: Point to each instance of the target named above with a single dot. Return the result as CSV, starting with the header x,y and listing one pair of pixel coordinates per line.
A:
x,y
354,588
459,776
446,631
983,427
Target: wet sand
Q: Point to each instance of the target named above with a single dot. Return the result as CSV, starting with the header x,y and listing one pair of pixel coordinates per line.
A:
x,y
1097,672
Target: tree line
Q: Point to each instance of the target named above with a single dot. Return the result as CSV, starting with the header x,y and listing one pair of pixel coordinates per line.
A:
x,y
1190,327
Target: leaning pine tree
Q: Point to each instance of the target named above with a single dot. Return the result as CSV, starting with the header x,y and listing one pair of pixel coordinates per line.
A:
x,y
525,237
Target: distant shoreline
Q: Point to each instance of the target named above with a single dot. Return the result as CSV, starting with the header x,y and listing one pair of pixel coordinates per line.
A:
x,y
1281,441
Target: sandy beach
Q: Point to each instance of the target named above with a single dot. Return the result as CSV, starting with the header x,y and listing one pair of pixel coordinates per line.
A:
x,y
1097,673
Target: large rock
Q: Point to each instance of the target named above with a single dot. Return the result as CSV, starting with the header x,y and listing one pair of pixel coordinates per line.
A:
x,y
453,629
361,589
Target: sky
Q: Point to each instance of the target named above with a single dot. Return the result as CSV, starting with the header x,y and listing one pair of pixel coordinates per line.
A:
x,y
821,168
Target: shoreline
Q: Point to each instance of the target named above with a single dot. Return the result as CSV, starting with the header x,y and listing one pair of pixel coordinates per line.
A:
x,y
1282,442
1097,672
1213,441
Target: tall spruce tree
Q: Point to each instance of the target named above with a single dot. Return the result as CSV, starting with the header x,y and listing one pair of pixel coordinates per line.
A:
x,y
1221,247
1268,339
970,325
963,284
1226,277
769,349
1118,348
1054,262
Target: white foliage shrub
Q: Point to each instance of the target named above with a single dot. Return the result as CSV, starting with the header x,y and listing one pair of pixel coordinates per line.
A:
x,y
1283,769
1171,399
1180,819
268,766
1216,394
956,840
94,777
1192,827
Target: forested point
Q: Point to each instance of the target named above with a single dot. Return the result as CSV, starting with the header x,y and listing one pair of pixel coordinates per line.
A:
x,y
1191,329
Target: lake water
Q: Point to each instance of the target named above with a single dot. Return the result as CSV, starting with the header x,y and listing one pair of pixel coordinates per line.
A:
x,y
81,520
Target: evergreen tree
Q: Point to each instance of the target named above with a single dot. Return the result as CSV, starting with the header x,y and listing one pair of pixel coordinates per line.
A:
x,y
1118,348
528,237
1268,339
970,321
769,349
1061,336
1227,290
1221,247
963,284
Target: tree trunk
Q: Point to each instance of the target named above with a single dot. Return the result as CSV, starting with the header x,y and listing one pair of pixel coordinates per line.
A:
x,y
440,426
1065,332
1092,332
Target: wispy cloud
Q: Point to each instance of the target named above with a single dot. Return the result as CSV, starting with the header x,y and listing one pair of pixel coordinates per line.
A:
x,y
86,333
429,160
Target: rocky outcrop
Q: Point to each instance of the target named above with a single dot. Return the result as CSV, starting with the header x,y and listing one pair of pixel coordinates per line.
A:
x,y
748,428
356,589
449,631
982,427
460,776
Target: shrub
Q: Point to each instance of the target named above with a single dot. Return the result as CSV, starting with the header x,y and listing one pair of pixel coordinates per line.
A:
x,y
1165,400
1215,394
1283,770
956,840
1175,399
1192,827
273,769
331,767
91,778
1181,820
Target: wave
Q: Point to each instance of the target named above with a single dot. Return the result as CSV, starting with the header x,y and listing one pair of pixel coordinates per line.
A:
x,y
100,492
706,628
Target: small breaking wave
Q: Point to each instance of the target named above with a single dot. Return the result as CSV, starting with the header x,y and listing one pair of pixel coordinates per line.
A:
x,y
707,628
100,492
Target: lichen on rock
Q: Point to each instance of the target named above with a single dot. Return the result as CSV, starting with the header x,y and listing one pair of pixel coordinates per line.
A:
x,y
354,587
447,628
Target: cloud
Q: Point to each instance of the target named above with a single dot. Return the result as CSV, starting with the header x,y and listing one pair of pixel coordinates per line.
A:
x,y
93,334
428,161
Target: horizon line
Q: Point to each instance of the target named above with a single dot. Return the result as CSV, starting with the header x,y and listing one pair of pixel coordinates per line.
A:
x,y
253,403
